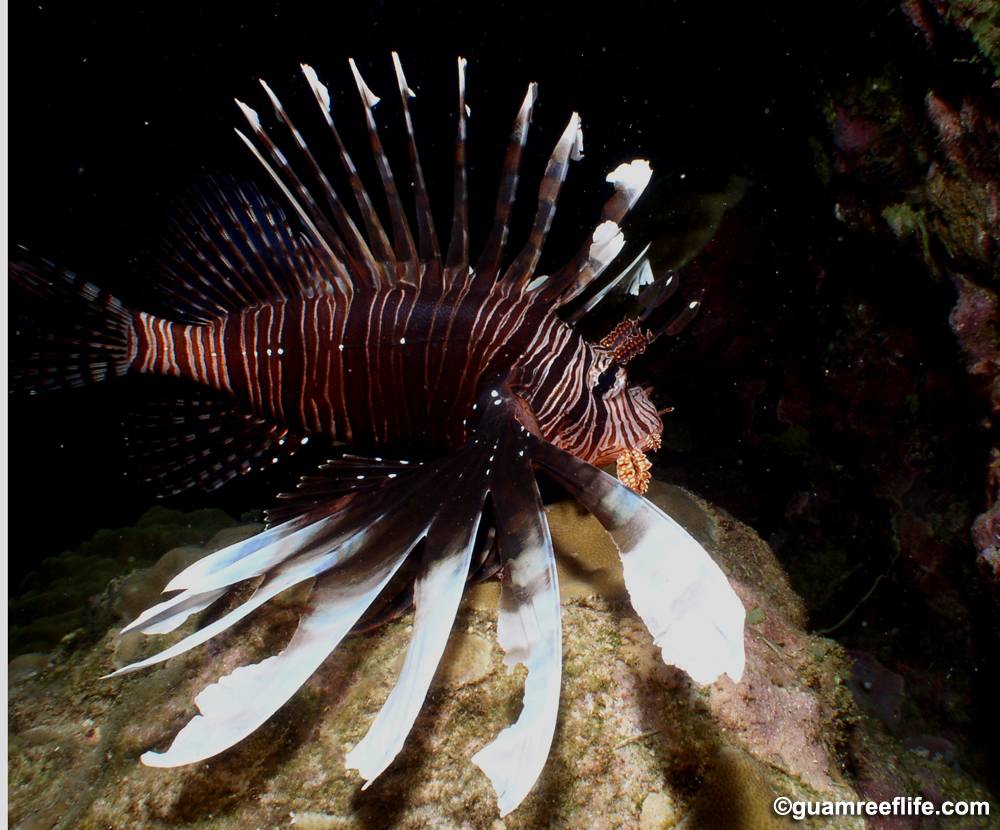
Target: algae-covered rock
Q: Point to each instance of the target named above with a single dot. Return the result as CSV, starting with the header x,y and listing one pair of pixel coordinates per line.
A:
x,y
638,743
55,601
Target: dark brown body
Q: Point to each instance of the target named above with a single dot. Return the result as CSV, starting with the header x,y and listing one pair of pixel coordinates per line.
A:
x,y
392,369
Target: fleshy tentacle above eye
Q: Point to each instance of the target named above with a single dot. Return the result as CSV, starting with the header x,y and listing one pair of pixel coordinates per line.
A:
x,y
678,591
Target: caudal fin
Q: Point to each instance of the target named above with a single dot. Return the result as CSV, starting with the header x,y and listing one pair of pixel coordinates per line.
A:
x,y
79,334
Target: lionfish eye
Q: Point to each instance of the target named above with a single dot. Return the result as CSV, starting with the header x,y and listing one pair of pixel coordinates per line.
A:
x,y
606,379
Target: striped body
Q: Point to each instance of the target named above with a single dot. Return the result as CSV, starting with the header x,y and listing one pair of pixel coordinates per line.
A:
x,y
395,370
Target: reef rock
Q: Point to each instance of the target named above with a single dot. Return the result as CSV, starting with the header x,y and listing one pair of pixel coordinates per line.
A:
x,y
639,745
54,602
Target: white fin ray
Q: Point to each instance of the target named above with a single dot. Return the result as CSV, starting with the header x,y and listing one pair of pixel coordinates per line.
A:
x,y
164,617
320,90
354,561
401,78
195,573
240,702
529,629
294,547
369,97
256,561
437,595
681,595
637,274
287,575
346,537
630,180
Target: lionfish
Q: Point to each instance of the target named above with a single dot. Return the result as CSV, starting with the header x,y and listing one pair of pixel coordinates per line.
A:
x,y
394,347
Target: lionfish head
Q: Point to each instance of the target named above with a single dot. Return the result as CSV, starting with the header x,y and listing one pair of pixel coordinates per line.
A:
x,y
632,423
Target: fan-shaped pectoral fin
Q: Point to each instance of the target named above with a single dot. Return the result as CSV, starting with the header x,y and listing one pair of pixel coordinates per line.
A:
x,y
240,702
362,559
677,589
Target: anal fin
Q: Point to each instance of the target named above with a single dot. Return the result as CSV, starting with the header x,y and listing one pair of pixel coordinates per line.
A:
x,y
180,444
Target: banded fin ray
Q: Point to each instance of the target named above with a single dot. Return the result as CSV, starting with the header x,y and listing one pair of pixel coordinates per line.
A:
x,y
383,259
358,253
457,259
676,588
430,253
356,249
488,266
405,250
529,629
568,147
225,247
94,347
186,443
319,228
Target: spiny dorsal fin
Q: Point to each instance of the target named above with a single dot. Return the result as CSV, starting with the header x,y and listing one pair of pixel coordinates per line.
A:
x,y
488,266
406,253
569,147
224,247
429,251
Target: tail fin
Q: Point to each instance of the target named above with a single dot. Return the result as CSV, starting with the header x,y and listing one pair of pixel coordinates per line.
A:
x,y
79,335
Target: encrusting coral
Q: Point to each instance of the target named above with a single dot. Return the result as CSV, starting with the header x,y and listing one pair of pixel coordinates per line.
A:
x,y
54,601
